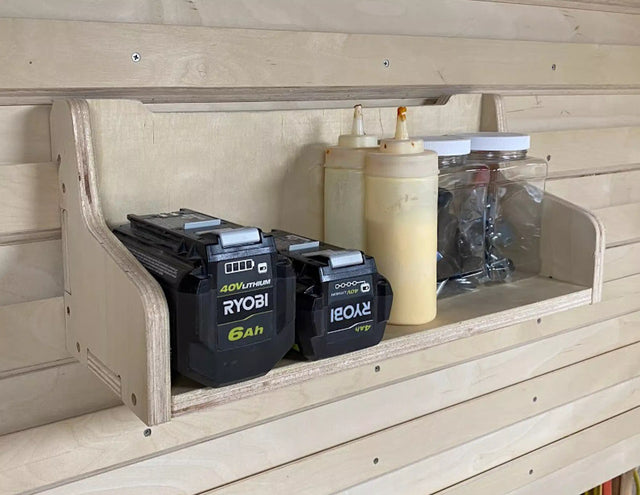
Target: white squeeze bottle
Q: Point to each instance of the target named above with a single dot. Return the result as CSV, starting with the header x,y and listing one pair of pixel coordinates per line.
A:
x,y
401,211
344,186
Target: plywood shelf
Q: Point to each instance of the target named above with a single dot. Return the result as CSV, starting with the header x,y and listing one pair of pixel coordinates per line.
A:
x,y
458,317
117,157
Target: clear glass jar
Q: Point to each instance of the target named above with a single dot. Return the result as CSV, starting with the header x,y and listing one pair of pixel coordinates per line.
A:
x,y
514,203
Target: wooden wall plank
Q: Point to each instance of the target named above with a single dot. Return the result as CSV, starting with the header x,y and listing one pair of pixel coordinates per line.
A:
x,y
622,223
444,447
24,133
600,5
414,17
30,271
48,395
234,61
511,405
585,151
29,197
64,445
608,461
541,113
599,191
31,333
621,261
592,442
499,447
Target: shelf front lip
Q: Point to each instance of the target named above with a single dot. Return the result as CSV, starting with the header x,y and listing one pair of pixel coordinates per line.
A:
x,y
387,349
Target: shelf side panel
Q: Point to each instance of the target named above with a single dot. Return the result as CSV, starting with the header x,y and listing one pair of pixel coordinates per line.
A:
x,y
116,316
572,245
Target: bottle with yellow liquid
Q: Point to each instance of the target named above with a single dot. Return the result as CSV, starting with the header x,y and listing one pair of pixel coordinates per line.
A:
x,y
344,186
401,210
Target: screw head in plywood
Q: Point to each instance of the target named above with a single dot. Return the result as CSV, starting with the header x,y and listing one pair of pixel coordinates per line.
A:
x,y
135,56
386,63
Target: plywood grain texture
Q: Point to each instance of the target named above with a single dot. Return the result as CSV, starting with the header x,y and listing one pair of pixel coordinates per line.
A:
x,y
597,463
622,261
24,134
585,151
47,394
120,427
30,271
309,475
177,154
586,111
613,436
538,113
622,223
260,64
285,191
413,17
446,446
31,334
92,254
28,198
598,5
601,190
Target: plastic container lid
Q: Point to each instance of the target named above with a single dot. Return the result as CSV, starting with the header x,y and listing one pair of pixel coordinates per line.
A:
x,y
447,145
357,138
498,141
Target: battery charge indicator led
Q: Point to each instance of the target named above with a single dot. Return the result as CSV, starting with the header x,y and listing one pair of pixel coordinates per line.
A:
x,y
238,266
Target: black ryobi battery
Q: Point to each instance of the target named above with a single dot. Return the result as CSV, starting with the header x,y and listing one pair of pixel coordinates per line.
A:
x,y
231,296
342,302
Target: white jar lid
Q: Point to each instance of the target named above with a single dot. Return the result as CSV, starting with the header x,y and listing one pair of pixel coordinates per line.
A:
x,y
447,145
498,141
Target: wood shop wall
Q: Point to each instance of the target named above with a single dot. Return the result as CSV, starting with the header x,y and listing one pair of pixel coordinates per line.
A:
x,y
110,107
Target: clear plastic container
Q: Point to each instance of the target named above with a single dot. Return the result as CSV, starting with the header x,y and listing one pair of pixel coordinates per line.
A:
x,y
462,194
514,203
401,183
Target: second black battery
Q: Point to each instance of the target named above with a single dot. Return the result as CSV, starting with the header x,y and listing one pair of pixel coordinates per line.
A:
x,y
342,302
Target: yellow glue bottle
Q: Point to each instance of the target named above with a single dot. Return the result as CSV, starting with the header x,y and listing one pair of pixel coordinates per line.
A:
x,y
401,211
344,186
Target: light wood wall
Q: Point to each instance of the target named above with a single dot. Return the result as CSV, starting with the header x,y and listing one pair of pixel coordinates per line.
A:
x,y
520,409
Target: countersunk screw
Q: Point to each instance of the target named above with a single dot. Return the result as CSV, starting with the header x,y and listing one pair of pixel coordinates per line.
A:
x,y
147,432
553,66
386,62
135,56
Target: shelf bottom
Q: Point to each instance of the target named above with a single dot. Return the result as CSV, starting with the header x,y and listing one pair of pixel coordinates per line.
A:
x,y
460,316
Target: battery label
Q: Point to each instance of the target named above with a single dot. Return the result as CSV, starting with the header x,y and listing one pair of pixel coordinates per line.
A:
x,y
351,306
350,288
244,301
